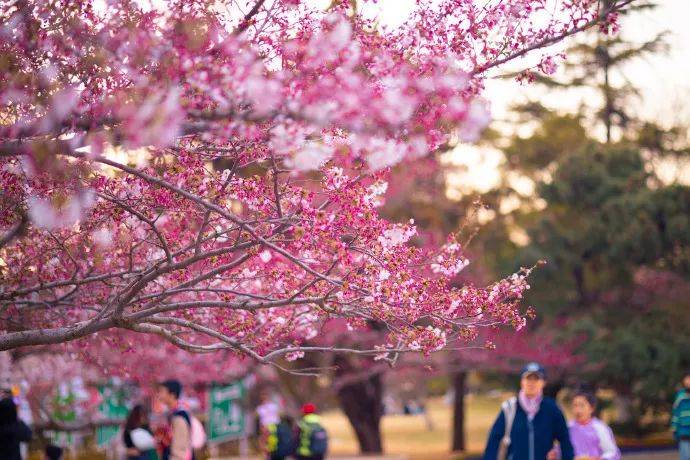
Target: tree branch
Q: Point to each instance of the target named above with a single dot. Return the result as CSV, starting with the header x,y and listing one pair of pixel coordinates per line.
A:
x,y
616,7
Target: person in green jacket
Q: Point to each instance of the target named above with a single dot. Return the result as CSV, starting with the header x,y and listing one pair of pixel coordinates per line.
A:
x,y
312,439
680,418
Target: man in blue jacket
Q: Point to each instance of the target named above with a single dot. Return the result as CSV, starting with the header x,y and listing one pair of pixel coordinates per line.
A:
x,y
529,424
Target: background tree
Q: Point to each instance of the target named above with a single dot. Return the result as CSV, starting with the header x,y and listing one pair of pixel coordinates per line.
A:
x,y
604,214
597,63
603,221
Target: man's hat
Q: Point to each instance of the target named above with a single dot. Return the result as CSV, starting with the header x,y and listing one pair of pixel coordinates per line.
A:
x,y
533,369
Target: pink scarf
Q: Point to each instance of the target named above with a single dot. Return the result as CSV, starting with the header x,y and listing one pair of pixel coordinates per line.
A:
x,y
529,405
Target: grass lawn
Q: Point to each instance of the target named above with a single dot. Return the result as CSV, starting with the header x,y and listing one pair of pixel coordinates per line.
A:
x,y
406,434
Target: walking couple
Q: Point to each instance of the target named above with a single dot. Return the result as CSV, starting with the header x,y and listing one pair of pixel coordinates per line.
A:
x,y
174,440
529,425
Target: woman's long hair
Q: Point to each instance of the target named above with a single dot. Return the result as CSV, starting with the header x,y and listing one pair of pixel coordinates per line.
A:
x,y
136,418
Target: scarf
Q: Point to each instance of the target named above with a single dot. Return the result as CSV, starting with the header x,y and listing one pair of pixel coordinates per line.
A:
x,y
529,405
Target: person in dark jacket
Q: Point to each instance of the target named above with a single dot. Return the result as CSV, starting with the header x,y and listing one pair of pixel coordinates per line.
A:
x,y
279,439
537,422
12,431
137,420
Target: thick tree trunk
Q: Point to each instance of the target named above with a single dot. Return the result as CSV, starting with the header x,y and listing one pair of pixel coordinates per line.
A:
x,y
362,402
579,276
459,380
609,110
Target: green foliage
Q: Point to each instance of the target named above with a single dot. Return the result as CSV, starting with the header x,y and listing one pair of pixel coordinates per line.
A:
x,y
651,227
615,237
644,354
592,64
604,218
546,145
643,358
585,180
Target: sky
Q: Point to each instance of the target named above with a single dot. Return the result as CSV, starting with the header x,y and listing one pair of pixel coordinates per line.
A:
x,y
662,79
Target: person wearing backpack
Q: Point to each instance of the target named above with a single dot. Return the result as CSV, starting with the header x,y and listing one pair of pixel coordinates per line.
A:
x,y
528,425
312,439
680,418
179,446
279,439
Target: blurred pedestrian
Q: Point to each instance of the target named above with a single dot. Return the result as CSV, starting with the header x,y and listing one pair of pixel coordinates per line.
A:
x,y
138,437
177,444
280,441
529,424
680,418
13,431
592,439
312,439
268,411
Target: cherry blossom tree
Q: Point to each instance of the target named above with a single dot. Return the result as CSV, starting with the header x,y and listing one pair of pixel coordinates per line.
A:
x,y
209,172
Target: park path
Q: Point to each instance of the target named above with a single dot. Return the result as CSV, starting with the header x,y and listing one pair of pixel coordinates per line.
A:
x,y
652,456
641,456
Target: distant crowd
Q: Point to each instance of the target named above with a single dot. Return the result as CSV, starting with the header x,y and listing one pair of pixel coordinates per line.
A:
x,y
529,426
181,434
280,437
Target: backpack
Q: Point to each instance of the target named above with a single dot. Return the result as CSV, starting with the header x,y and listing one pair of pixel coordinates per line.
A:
x,y
198,434
509,409
285,440
318,440
196,429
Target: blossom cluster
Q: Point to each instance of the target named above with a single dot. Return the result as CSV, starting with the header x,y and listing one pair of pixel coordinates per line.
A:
x,y
212,176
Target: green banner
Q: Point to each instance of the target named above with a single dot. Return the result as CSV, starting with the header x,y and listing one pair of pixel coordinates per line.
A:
x,y
226,418
112,407
63,412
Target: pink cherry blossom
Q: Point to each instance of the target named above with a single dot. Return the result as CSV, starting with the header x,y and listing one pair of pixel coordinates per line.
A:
x,y
211,178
